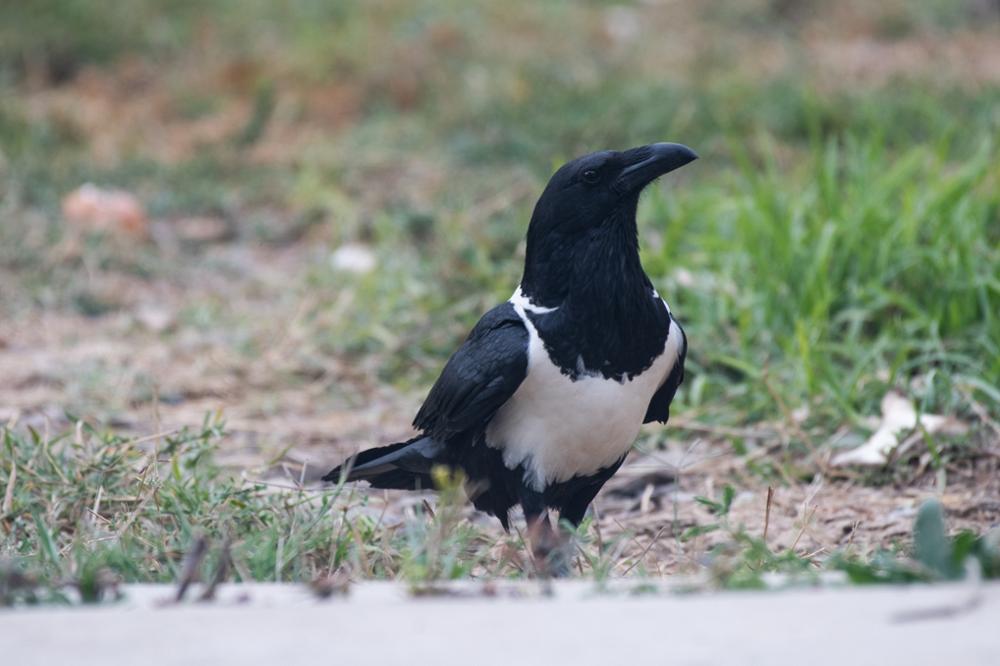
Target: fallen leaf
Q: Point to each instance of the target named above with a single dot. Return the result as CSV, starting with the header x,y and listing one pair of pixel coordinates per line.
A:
x,y
100,209
898,416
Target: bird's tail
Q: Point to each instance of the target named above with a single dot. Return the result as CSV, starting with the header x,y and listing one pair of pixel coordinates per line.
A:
x,y
406,465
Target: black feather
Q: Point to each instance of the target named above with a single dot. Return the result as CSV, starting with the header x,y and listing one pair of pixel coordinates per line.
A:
x,y
479,378
659,406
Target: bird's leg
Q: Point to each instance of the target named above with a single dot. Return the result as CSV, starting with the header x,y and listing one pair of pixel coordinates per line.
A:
x,y
560,546
545,542
567,545
542,540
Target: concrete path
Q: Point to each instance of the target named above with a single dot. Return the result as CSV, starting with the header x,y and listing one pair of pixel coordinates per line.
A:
x,y
518,625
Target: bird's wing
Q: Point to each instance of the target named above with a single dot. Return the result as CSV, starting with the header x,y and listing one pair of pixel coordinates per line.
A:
x,y
479,378
659,405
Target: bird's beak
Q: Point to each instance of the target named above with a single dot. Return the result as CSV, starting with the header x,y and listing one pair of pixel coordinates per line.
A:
x,y
650,163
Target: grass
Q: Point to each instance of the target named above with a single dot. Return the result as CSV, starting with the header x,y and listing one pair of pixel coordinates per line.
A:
x,y
843,272
840,237
84,511
87,506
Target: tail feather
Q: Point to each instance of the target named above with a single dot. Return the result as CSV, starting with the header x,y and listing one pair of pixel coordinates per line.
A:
x,y
403,465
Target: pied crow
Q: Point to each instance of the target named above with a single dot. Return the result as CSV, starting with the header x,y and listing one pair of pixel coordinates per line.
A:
x,y
542,402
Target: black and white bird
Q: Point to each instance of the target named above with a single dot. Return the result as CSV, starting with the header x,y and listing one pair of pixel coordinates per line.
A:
x,y
543,400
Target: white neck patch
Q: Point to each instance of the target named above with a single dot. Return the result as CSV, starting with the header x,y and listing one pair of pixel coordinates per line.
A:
x,y
519,300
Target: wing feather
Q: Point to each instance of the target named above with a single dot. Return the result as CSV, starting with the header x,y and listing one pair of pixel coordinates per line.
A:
x,y
479,378
659,405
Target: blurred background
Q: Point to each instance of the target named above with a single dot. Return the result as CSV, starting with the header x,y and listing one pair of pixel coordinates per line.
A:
x,y
290,213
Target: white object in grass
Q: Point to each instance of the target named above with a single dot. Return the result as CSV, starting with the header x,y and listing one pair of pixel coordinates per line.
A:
x,y
899,416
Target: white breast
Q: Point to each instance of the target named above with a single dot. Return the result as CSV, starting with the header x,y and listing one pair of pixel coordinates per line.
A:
x,y
559,428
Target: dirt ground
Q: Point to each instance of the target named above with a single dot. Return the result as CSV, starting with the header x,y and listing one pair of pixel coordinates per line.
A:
x,y
291,414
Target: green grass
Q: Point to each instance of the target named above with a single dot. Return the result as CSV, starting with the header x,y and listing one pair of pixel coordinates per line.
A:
x,y
88,510
87,505
813,283
835,241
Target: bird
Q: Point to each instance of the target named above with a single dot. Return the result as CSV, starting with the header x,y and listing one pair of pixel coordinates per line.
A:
x,y
542,402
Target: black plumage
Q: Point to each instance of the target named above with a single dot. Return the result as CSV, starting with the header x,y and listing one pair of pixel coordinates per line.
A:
x,y
585,351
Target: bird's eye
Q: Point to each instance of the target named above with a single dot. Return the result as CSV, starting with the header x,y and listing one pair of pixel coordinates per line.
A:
x,y
590,176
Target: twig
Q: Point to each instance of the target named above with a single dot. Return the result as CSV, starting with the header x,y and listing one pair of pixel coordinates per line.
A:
x,y
192,562
8,496
106,521
135,514
642,555
96,509
802,529
428,508
809,556
291,477
767,511
155,435
850,539
221,572
283,486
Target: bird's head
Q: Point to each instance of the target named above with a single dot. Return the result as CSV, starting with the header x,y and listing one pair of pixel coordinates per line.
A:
x,y
588,210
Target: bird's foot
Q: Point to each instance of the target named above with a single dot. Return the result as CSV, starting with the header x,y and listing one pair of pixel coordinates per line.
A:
x,y
552,550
